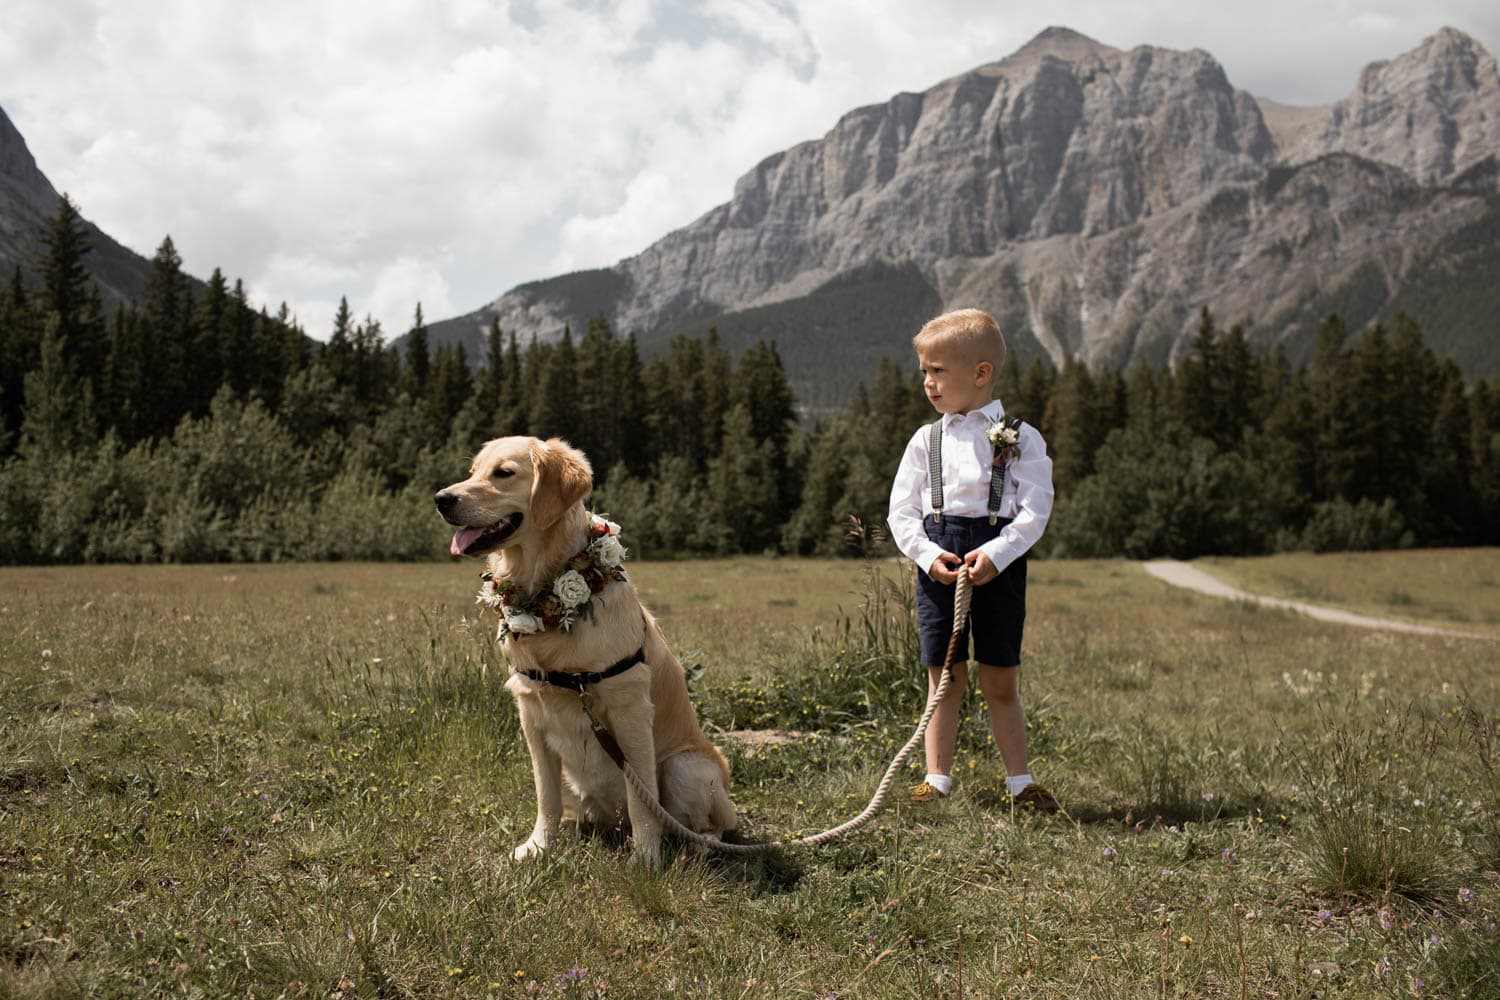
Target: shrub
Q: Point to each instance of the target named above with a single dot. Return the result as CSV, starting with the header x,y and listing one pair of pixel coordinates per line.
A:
x,y
1339,526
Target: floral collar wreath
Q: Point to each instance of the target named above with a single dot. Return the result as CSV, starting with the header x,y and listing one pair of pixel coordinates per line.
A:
x,y
570,596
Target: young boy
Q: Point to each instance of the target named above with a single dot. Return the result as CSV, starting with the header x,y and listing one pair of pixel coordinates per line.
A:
x,y
981,502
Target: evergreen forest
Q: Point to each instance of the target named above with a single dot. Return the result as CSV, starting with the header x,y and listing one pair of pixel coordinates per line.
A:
x,y
194,427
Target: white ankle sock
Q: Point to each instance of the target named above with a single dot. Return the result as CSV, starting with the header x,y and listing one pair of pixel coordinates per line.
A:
x,y
1015,784
942,782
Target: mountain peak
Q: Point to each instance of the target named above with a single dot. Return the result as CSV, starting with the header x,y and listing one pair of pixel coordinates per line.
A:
x,y
1433,111
17,165
1063,43
1447,40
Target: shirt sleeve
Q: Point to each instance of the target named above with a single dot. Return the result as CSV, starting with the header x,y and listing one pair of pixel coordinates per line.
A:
x,y
906,510
1032,471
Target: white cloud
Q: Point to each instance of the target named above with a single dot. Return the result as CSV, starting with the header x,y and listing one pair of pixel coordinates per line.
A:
x,y
446,151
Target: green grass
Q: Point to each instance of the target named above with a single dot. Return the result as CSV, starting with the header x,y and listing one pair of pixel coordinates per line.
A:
x,y
305,781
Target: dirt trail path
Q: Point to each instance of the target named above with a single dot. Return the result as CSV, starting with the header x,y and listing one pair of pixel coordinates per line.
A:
x,y
1181,574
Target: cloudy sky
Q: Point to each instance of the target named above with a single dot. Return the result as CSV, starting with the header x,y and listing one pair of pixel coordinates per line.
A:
x,y
443,151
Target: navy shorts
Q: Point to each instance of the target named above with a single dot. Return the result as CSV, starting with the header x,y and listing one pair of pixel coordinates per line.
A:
x,y
997,610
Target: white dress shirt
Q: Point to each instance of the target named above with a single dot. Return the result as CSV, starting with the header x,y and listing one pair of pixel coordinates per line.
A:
x,y
967,469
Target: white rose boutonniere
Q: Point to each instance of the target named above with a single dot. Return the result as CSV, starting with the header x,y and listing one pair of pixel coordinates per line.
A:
x,y
572,589
1006,441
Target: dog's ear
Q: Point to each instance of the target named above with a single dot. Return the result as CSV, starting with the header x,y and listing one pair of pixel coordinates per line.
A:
x,y
561,476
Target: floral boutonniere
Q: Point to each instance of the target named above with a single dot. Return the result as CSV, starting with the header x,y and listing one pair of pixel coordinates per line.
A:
x,y
570,596
1006,440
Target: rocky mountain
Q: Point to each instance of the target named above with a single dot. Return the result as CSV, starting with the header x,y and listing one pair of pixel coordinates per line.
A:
x,y
1093,199
28,202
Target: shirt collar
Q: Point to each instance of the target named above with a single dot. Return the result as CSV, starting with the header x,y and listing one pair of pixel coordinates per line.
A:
x,y
991,412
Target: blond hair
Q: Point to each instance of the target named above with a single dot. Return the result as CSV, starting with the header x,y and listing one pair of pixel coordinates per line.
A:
x,y
971,332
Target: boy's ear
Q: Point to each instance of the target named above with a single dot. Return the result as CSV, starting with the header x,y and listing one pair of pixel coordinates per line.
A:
x,y
983,372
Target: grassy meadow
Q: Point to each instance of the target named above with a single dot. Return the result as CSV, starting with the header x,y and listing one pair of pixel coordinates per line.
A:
x,y
1449,588
306,780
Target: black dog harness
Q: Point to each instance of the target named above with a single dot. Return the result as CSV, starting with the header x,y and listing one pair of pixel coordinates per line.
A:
x,y
580,682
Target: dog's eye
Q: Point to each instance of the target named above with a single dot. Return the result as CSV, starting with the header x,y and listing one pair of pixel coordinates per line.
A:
x,y
501,472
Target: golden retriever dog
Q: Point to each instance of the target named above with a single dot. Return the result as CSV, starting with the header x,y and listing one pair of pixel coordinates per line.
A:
x,y
522,508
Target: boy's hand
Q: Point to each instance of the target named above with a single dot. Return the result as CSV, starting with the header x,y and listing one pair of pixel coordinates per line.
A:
x,y
944,568
981,570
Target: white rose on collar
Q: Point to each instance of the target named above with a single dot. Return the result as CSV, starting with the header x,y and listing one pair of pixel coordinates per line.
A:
x,y
611,552
520,622
572,589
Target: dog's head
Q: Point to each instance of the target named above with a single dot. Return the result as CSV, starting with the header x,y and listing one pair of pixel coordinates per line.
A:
x,y
517,486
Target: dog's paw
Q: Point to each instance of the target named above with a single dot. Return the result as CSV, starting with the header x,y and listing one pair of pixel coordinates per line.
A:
x,y
648,851
533,847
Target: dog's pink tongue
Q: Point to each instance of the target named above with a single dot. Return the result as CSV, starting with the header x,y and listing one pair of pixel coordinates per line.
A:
x,y
463,539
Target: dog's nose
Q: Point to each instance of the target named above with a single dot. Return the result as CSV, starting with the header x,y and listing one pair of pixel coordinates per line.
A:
x,y
446,501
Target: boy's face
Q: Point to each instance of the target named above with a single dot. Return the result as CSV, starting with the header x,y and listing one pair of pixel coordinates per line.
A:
x,y
954,384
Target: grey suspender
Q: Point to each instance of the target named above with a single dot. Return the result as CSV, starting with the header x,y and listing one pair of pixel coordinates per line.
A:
x,y
935,473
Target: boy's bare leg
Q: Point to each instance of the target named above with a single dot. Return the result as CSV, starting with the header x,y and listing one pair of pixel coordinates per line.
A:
x,y
1002,697
942,731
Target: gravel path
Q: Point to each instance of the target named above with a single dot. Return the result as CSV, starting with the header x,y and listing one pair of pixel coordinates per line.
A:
x,y
1181,574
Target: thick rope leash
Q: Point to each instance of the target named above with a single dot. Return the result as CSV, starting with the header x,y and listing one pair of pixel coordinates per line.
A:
x,y
961,598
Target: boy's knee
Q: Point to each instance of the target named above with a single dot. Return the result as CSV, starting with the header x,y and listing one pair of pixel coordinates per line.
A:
x,y
998,685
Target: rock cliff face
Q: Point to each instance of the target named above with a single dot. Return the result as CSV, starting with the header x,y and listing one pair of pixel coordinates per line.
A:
x,y
1093,198
1434,112
28,202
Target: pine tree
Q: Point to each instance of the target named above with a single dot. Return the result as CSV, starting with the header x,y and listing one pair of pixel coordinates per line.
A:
x,y
20,350
65,286
211,334
1328,391
418,358
743,487
555,400
489,384
759,386
512,411
168,376
594,430
1071,426
58,415
447,390
1036,389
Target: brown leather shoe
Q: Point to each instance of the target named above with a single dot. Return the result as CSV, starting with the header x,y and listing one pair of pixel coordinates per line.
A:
x,y
923,792
1034,796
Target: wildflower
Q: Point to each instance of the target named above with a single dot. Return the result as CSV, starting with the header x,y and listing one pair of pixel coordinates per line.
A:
x,y
1110,854
1387,918
1324,916
1228,855
1167,872
1383,966
1185,939
1465,895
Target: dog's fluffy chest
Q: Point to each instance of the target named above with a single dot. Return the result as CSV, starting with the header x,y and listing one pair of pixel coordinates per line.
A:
x,y
560,719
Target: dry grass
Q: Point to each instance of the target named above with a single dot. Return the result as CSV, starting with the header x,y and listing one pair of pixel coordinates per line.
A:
x,y
1445,587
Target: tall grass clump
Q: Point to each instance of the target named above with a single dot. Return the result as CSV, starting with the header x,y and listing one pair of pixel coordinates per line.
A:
x,y
862,670
1173,780
1370,834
